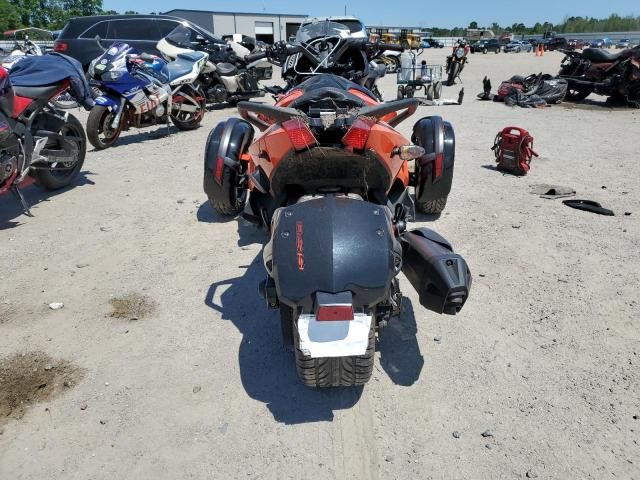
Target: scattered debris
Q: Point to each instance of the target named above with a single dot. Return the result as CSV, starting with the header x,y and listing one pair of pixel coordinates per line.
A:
x,y
589,206
81,265
487,433
56,305
132,306
83,406
103,422
26,380
552,191
197,388
456,434
531,474
437,339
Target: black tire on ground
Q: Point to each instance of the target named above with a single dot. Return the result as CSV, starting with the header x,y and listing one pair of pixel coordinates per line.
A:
x,y
484,50
429,93
192,120
52,179
286,324
433,207
229,197
336,371
98,123
437,90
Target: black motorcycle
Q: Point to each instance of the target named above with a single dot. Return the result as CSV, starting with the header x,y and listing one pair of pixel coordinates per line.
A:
x,y
328,47
616,75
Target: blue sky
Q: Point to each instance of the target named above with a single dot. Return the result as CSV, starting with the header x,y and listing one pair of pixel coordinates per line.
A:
x,y
406,12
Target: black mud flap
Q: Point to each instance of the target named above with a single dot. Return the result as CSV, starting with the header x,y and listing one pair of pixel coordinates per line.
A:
x,y
434,170
440,276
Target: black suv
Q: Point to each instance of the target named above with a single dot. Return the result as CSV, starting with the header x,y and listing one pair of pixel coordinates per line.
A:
x,y
484,46
142,32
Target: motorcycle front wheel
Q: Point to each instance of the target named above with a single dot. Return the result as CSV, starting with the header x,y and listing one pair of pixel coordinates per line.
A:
x,y
100,132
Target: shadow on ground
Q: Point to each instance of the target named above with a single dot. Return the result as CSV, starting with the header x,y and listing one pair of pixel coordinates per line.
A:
x,y
267,369
144,136
400,355
11,208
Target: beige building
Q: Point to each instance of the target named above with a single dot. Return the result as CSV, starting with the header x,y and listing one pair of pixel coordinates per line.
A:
x,y
267,27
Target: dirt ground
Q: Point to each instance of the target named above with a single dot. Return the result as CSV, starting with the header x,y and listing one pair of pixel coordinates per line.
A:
x,y
175,368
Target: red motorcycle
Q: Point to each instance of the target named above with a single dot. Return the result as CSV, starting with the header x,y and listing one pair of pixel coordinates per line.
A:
x,y
330,179
38,143
594,70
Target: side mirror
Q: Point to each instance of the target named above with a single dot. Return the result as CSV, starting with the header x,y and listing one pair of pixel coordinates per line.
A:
x,y
200,39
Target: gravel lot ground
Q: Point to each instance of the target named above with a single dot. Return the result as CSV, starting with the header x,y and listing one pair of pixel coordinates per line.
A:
x,y
164,363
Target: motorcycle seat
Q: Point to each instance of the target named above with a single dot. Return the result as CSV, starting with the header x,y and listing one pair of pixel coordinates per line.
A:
x,y
39,92
183,65
226,69
599,55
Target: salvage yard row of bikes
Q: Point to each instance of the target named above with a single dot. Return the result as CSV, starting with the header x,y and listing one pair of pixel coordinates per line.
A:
x,y
328,178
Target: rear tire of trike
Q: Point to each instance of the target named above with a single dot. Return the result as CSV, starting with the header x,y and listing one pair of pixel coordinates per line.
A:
x,y
335,371
54,180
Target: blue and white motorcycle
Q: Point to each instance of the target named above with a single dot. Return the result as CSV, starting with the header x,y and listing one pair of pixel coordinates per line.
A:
x,y
141,90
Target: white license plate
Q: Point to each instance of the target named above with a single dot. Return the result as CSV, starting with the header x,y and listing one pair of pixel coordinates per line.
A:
x,y
339,338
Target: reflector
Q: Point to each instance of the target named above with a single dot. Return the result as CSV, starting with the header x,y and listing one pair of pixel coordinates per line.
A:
x,y
299,133
328,313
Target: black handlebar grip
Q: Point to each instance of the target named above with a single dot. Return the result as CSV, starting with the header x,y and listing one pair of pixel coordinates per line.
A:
x,y
252,57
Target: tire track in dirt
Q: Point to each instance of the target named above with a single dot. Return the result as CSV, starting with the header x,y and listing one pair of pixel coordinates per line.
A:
x,y
354,448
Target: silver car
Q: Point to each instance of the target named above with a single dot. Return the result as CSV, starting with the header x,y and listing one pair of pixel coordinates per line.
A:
x,y
517,46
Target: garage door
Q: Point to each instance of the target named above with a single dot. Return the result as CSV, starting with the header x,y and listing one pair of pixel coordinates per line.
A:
x,y
264,28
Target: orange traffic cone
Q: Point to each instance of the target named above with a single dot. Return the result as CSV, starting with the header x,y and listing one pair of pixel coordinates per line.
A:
x,y
536,51
541,50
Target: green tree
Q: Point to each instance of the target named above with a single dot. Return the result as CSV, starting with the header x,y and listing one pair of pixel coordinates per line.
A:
x,y
9,17
473,25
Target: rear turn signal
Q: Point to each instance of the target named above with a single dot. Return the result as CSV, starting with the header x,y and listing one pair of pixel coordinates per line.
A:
x,y
299,133
357,136
60,46
409,152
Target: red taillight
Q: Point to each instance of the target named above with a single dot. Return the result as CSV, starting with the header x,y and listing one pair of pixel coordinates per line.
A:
x,y
437,165
358,134
299,133
60,46
329,313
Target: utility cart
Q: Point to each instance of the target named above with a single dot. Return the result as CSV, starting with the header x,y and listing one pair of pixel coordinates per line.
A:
x,y
420,77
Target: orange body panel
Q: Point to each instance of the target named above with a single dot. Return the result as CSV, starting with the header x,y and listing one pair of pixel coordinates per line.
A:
x,y
274,144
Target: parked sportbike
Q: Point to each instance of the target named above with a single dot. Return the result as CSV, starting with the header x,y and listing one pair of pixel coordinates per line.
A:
x,y
456,62
328,47
37,142
226,77
616,75
141,90
329,179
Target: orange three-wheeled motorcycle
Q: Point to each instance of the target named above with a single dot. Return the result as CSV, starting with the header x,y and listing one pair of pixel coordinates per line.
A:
x,y
330,178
